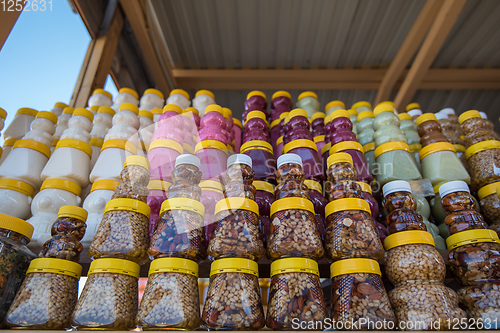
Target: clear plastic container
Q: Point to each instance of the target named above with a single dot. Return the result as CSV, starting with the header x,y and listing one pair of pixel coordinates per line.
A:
x,y
47,297
134,179
483,159
170,300
359,296
342,178
441,164
110,298
123,232
471,122
490,203
319,203
20,125
295,294
157,194
356,151
15,198
242,308
290,177
263,162
394,162
264,197
213,157
294,232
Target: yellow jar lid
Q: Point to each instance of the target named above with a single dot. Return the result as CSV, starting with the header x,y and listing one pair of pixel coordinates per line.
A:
x,y
182,204
334,103
352,266
294,265
436,188
459,148
131,205
412,106
318,115
291,203
408,237
48,115
339,158
209,144
434,148
146,113
346,145
208,184
313,185
256,115
55,266
154,91
319,138
227,113
391,103
483,191
300,143
129,107
471,237
129,91
27,111
159,111
73,211
114,266
425,117
476,148
68,110
368,147
102,92
281,93
9,142
298,113
166,143
383,108
76,144
32,144
274,123
17,225
341,205
204,92
61,105
307,94
361,104
54,143
415,148
263,186
104,184
365,114
214,108
326,148
391,146
353,112
468,115
120,144
173,265
17,185
404,116
365,187
96,142
136,160
283,115
238,123
278,142
84,113
339,114
234,265
236,203
180,92
61,184
160,185
94,108
256,93
172,107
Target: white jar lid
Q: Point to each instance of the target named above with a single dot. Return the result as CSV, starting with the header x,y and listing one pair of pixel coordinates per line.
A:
x,y
289,158
447,111
483,115
440,116
396,186
415,112
454,186
187,159
239,159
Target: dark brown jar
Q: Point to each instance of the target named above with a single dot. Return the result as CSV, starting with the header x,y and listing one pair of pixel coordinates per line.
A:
x,y
427,123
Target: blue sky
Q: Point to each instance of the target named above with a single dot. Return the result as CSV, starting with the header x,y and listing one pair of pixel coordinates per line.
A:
x,y
41,59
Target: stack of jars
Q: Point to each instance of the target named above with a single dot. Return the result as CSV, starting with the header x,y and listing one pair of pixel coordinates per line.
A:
x,y
281,105
483,149
415,266
438,157
354,246
234,247
294,245
474,255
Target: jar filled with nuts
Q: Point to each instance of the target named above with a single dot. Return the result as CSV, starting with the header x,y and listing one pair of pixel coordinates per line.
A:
x,y
264,197
123,232
236,230
401,206
350,232
355,149
319,203
294,232
460,206
490,204
67,232
295,293
157,194
290,177
417,270
483,159
47,297
171,299
471,123
134,179
342,178
233,298
238,177
358,294
185,178
110,297
180,231
448,129
211,193
308,153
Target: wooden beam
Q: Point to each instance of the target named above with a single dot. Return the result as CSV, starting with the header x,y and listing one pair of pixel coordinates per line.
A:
x,y
7,21
335,79
136,17
407,50
445,20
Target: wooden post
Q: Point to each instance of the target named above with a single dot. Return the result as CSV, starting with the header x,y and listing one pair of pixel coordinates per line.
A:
x,y
7,21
